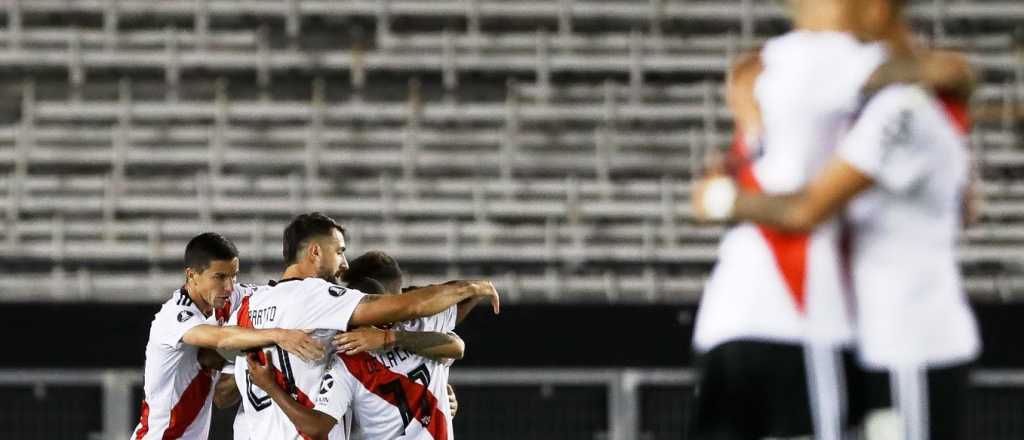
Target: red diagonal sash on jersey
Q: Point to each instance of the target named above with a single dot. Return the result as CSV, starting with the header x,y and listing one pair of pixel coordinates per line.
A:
x,y
279,378
957,111
789,249
423,404
224,312
189,405
143,422
243,314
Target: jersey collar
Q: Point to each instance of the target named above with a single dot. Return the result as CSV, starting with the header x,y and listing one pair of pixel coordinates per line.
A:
x,y
274,283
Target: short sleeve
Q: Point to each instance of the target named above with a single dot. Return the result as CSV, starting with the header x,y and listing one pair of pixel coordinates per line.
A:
x,y
172,322
334,393
884,141
330,307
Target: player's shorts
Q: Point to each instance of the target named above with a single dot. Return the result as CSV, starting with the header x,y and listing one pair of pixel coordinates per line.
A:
x,y
942,396
751,390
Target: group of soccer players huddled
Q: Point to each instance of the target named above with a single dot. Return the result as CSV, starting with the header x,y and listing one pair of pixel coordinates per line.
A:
x,y
836,309
331,350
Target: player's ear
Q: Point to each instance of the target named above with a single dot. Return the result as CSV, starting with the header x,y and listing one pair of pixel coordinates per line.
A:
x,y
192,274
313,250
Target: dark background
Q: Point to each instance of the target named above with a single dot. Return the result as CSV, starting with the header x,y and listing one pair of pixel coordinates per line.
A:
x,y
90,335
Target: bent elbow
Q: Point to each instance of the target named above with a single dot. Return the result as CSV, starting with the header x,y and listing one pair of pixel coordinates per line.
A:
x,y
460,349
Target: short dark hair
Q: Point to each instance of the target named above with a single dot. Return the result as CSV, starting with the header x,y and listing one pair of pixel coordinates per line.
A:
x,y
376,265
302,229
368,286
206,248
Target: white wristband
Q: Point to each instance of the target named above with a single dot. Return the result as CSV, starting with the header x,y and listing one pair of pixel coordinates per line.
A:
x,y
719,198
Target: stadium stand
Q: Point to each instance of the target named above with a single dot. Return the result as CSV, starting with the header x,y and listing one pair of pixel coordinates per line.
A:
x,y
548,144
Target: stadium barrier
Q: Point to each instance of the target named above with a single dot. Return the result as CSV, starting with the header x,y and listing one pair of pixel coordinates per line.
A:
x,y
602,404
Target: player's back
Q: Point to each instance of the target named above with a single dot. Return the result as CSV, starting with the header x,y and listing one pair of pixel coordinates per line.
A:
x,y
177,388
393,394
770,285
310,303
911,305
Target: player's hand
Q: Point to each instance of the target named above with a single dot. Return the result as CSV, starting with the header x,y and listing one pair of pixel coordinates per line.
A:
x,y
697,200
299,343
261,375
210,359
713,198
453,403
358,340
486,289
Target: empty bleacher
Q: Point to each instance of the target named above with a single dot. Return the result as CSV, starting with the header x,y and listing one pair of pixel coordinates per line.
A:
x,y
547,145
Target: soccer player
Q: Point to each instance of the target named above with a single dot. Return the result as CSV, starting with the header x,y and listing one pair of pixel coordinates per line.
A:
x,y
901,175
772,320
179,374
307,297
384,383
380,273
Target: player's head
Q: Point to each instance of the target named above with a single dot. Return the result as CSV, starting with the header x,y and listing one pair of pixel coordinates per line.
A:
x,y
211,267
368,286
870,20
378,266
880,19
317,243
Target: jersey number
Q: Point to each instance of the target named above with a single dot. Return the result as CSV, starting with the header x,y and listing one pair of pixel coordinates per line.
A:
x,y
257,397
419,374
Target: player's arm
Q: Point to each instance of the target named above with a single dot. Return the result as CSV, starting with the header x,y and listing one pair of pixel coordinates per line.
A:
x,y
434,345
946,72
453,402
876,151
826,195
717,198
419,303
466,306
313,423
225,393
232,337
739,92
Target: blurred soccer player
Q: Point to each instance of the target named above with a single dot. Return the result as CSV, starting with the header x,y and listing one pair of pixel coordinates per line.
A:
x,y
307,298
773,319
901,174
388,383
179,375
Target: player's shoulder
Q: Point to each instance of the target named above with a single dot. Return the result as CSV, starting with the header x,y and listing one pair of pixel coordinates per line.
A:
x,y
899,98
314,287
246,289
179,307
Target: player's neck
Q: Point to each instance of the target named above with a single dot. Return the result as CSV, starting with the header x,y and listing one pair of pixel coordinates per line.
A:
x,y
825,16
297,270
900,41
198,300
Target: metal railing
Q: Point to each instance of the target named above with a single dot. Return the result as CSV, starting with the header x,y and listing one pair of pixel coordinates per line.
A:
x,y
621,390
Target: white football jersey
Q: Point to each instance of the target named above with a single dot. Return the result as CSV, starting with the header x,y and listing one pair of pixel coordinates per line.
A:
x,y
392,394
310,303
178,391
785,287
911,307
